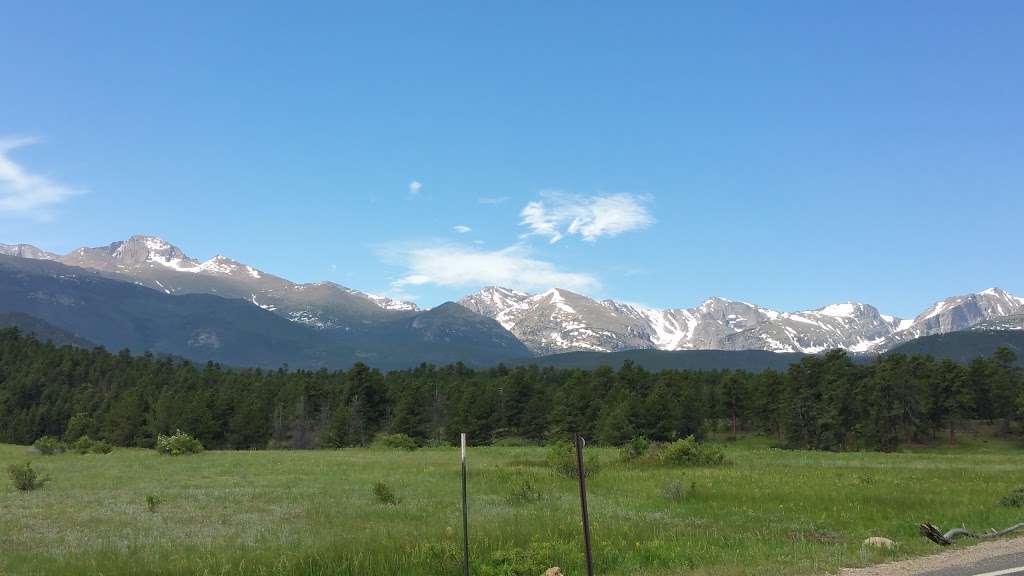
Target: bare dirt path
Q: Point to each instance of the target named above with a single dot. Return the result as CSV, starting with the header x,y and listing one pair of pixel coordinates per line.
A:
x,y
998,558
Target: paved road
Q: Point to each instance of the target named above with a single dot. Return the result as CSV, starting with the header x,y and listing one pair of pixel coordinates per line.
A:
x,y
1004,565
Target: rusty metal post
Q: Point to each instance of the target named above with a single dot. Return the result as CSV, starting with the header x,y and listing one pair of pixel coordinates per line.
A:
x,y
582,475
465,513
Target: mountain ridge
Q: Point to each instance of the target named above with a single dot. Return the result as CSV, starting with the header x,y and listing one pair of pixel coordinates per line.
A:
x,y
548,322
118,314
557,321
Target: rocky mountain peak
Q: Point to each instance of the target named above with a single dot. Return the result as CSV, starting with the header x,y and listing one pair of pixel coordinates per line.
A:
x,y
138,250
26,251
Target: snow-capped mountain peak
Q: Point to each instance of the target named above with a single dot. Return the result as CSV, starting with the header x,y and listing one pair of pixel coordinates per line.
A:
x,y
558,320
159,264
26,251
554,320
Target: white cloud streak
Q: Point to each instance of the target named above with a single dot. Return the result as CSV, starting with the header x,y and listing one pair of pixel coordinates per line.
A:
x,y
414,187
558,214
512,267
493,199
462,229
25,193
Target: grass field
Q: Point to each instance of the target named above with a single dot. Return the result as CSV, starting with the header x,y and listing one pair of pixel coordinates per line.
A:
x,y
313,512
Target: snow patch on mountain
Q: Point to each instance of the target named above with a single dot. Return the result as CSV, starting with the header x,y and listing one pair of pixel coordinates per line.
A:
x,y
557,320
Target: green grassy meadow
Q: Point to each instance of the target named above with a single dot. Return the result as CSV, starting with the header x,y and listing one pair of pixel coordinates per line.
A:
x,y
313,512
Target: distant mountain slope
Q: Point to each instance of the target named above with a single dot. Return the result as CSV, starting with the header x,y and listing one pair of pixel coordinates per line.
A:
x,y
202,327
446,334
158,264
958,313
42,330
965,345
561,321
120,315
26,251
550,322
750,360
1014,322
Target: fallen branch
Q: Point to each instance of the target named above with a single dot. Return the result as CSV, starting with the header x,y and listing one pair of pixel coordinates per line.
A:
x,y
932,532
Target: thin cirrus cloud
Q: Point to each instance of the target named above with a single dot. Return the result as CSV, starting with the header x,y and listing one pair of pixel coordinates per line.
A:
x,y
493,199
458,265
414,187
24,193
462,229
558,214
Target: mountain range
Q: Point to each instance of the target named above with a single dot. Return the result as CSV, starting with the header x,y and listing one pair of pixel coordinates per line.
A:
x,y
147,294
562,321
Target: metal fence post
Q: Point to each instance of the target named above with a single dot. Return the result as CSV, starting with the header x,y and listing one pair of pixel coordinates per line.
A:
x,y
465,512
582,475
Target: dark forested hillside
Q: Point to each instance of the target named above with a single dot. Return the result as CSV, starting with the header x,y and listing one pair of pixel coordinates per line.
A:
x,y
42,330
822,402
965,345
752,360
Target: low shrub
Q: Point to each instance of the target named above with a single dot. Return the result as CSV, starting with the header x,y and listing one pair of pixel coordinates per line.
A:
x,y
178,444
48,446
561,458
524,491
86,445
79,425
398,441
864,479
689,452
676,491
82,446
384,494
636,448
530,561
1015,499
445,557
101,447
25,478
153,502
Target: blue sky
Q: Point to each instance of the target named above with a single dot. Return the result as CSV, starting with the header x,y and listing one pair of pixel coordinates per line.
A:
x,y
790,154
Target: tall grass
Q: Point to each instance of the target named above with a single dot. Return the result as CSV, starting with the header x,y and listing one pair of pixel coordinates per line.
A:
x,y
312,512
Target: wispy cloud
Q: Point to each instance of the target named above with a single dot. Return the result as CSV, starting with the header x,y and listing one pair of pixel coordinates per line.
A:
x,y
414,187
462,229
466,266
558,214
25,193
493,199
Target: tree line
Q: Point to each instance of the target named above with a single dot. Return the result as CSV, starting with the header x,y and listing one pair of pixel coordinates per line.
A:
x,y
825,402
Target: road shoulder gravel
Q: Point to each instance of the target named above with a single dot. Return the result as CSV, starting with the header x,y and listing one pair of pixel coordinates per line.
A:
x,y
941,563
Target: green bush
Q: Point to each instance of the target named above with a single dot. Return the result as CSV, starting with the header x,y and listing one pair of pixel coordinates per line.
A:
x,y
25,478
384,494
676,491
178,443
561,458
445,557
524,491
530,561
48,446
689,452
398,441
101,447
636,448
82,446
1015,499
153,502
86,445
79,425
